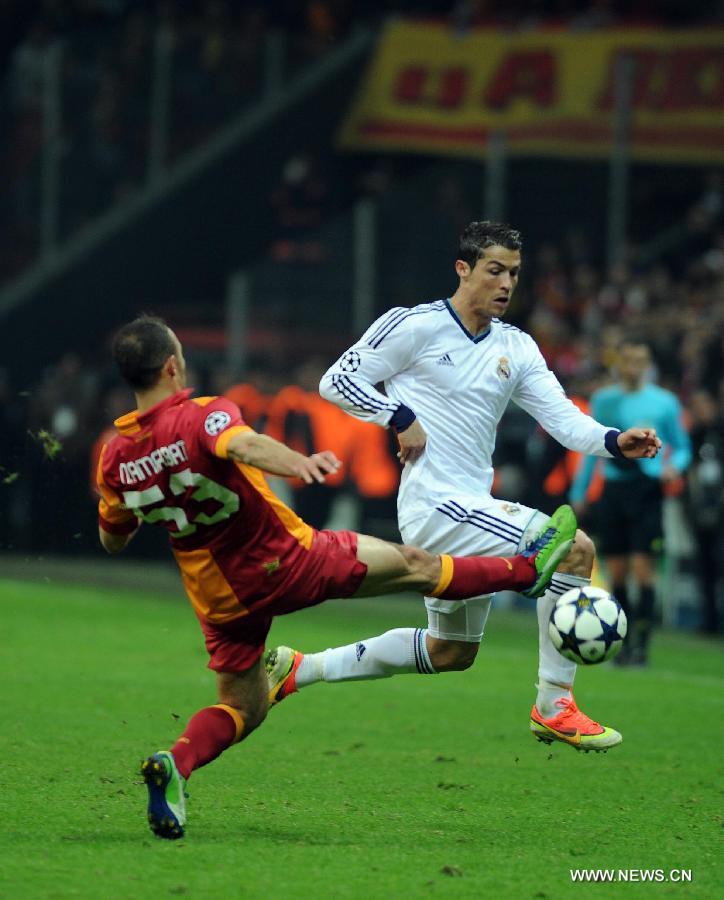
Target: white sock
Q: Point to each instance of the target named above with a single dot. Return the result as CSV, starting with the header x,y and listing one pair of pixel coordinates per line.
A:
x,y
310,670
548,694
555,673
392,653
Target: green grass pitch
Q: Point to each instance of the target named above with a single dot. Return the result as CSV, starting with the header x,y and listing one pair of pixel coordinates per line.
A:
x,y
404,788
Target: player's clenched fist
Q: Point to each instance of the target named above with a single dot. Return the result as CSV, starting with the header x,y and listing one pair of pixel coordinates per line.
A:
x,y
313,468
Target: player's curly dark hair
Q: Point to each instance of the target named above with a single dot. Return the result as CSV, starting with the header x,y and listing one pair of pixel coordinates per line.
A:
x,y
480,235
140,349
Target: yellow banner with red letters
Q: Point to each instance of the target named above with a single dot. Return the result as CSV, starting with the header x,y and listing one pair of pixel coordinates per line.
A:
x,y
548,92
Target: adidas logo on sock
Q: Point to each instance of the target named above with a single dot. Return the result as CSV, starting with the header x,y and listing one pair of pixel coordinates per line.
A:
x,y
360,650
445,360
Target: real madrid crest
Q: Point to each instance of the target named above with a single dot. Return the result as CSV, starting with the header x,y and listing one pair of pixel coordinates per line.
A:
x,y
503,368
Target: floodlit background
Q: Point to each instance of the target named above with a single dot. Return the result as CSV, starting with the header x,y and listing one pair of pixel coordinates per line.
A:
x,y
272,176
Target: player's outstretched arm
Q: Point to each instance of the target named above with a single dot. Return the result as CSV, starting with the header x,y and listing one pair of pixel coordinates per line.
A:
x,y
639,443
271,456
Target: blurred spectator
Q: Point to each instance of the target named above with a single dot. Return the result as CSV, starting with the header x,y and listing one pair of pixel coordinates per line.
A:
x,y
706,501
12,426
26,76
60,415
24,89
300,201
217,66
63,403
252,403
300,418
116,403
314,26
252,396
374,476
553,468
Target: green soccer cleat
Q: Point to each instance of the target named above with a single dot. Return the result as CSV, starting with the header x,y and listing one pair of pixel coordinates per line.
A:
x,y
281,664
166,796
549,547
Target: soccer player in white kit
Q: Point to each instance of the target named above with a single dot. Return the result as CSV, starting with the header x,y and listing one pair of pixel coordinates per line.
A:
x,y
449,370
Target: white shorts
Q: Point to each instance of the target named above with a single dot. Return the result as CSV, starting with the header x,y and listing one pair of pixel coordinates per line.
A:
x,y
489,528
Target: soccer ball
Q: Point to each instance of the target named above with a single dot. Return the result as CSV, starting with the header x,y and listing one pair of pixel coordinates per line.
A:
x,y
587,625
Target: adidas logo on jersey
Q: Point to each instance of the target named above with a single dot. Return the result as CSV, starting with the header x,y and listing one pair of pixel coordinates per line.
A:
x,y
445,360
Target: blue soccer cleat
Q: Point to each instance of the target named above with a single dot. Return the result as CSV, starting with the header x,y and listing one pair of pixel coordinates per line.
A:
x,y
166,797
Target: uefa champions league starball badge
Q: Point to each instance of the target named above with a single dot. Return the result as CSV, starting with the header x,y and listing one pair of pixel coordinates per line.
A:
x,y
350,362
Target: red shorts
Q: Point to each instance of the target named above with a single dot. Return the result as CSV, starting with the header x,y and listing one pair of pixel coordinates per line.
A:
x,y
329,569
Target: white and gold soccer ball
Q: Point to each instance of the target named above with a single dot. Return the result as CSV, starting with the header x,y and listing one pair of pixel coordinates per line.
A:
x,y
587,625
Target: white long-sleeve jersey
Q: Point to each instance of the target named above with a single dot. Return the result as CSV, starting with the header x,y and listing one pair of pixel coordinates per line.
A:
x,y
458,386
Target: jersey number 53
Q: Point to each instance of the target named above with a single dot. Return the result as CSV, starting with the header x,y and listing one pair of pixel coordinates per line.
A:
x,y
186,522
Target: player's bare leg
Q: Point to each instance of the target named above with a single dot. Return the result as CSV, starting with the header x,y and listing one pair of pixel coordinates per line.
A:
x,y
451,656
394,567
242,707
555,716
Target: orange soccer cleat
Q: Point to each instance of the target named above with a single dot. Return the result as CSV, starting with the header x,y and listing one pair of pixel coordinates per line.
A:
x,y
281,664
573,727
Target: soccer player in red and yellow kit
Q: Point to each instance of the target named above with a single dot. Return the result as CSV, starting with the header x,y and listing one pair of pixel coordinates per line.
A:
x,y
192,466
